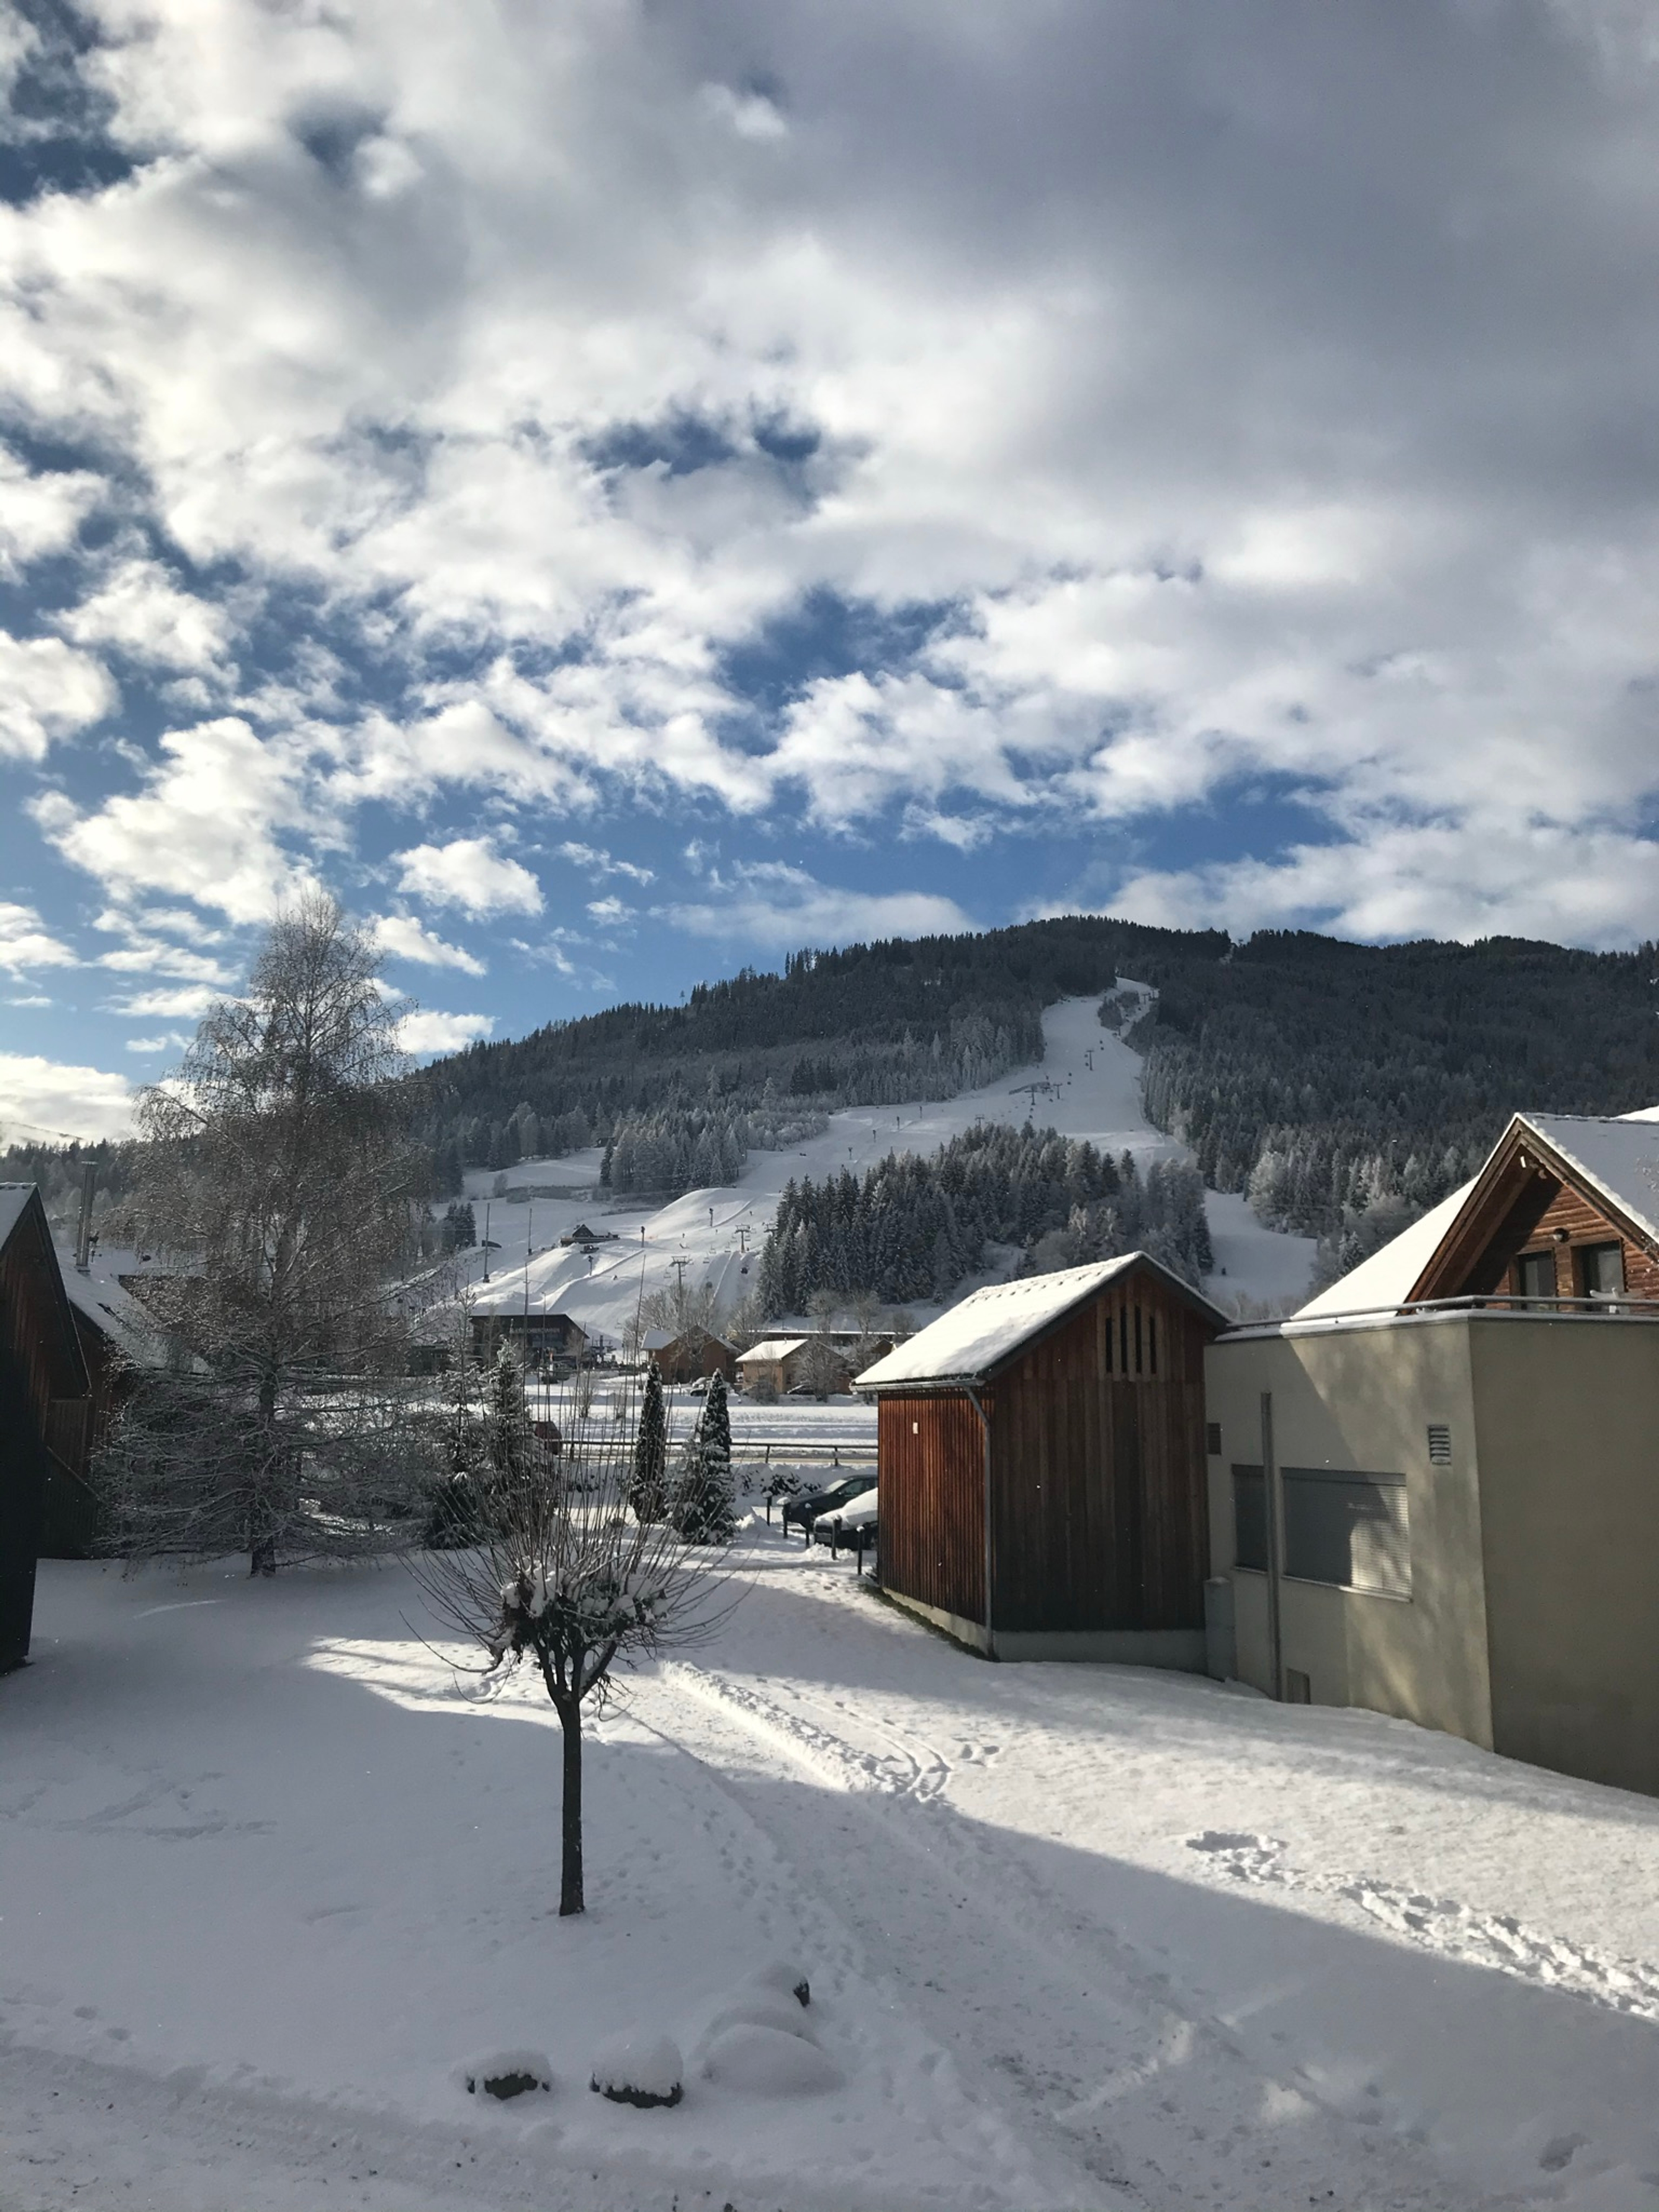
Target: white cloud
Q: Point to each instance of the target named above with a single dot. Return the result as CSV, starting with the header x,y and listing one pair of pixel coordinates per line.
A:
x,y
610,909
422,1033
772,904
202,826
47,690
401,938
26,942
1275,411
53,1098
168,1040
468,872
40,511
599,862
141,611
188,1004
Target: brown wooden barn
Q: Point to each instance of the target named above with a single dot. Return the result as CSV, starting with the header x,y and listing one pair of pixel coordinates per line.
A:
x,y
690,1354
44,1401
1042,1467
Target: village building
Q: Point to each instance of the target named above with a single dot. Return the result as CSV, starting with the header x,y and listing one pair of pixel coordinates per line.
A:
x,y
1042,1467
46,1405
540,1339
690,1355
1433,1489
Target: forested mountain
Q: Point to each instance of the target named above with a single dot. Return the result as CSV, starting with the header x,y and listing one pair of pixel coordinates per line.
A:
x,y
1325,1079
911,1229
1320,1076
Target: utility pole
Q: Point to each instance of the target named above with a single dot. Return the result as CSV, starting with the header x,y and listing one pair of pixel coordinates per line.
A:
x,y
486,1243
83,1236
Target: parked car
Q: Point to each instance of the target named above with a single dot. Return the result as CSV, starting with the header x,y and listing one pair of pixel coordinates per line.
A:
x,y
804,1510
846,1524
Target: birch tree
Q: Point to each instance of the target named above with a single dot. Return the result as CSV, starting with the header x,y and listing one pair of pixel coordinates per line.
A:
x,y
275,1188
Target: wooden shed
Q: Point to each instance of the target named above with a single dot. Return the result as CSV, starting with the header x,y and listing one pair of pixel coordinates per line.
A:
x,y
44,1402
1042,1467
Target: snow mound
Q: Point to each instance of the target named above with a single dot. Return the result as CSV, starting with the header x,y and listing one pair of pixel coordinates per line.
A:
x,y
769,2061
757,2037
505,2074
637,2068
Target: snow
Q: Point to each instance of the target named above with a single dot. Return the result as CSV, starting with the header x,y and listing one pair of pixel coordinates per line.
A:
x,y
1087,1085
991,1325
859,1512
273,1878
13,1197
1619,1158
1386,1278
773,1348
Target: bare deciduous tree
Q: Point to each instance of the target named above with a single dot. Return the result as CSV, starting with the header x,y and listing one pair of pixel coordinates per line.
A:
x,y
566,1578
276,1186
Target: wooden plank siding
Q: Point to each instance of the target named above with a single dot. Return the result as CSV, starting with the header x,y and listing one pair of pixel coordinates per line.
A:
x,y
930,1461
40,1369
1098,1476
1100,1517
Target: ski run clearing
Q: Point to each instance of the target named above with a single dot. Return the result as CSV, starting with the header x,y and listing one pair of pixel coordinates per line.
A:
x,y
275,1880
1088,1084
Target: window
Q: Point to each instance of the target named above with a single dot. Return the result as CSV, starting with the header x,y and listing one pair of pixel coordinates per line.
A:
x,y
1250,1518
1536,1271
1600,1270
1347,1529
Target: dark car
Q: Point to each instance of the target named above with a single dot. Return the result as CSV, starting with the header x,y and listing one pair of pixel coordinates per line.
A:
x,y
804,1510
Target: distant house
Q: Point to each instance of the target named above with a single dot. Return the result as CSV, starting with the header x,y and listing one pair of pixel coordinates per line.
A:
x,y
690,1354
582,1235
1042,1467
773,1364
1433,1490
116,1340
540,1339
45,1404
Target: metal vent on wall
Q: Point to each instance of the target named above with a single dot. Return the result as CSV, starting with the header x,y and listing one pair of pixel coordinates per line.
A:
x,y
1439,1443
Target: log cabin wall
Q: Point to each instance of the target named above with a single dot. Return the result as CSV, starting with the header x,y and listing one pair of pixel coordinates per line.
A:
x,y
930,1453
43,1389
1542,1208
1098,1472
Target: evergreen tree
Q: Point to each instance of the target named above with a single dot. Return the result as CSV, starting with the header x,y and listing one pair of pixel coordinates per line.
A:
x,y
648,1492
704,1509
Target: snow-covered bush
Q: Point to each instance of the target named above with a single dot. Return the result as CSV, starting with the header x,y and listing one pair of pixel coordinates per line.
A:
x,y
637,2068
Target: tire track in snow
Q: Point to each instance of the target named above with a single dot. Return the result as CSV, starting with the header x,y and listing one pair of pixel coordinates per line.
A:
x,y
1164,2107
920,1775
1494,1940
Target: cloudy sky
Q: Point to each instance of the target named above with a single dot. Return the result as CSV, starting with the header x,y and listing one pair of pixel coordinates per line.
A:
x,y
622,488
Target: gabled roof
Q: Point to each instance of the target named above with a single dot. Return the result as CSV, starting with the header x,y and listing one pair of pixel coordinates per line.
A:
x,y
13,1197
775,1347
1615,1157
118,1315
993,1326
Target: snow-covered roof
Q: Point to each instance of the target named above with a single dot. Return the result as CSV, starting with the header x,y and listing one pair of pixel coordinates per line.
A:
x,y
1386,1278
991,1326
775,1347
119,1314
655,1339
1620,1157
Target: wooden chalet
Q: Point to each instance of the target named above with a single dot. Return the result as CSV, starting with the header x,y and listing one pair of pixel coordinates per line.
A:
x,y
541,1340
45,1402
1042,1467
690,1355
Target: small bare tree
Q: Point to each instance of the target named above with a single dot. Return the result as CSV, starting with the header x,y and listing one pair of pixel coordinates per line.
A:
x,y
566,1578
824,1365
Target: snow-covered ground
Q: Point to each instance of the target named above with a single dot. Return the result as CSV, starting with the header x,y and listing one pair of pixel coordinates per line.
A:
x,y
1088,1084
271,1881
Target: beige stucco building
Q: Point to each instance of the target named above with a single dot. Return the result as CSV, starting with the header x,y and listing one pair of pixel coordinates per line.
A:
x,y
1442,1501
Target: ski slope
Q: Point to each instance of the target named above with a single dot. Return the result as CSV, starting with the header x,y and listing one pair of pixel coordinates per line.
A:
x,y
1087,1085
